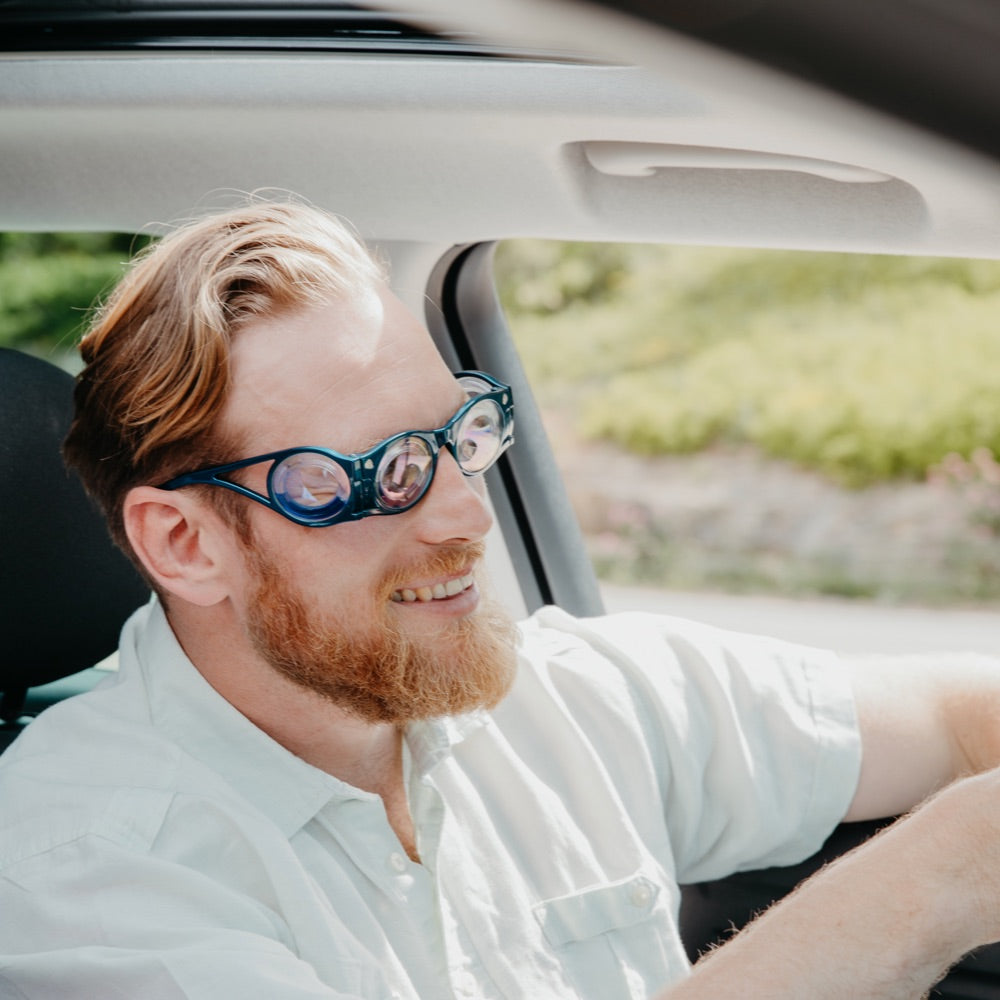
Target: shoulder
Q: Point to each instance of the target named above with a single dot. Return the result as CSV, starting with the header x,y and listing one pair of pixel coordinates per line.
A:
x,y
657,674
83,772
648,649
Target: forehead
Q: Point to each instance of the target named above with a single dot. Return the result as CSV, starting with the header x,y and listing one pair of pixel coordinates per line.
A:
x,y
344,374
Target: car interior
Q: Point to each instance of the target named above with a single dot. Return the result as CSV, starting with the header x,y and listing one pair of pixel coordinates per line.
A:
x,y
50,544
438,129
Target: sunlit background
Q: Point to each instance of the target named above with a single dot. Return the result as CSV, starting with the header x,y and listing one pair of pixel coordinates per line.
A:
x,y
773,422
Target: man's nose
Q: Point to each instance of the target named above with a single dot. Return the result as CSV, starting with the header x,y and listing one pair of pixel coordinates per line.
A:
x,y
454,508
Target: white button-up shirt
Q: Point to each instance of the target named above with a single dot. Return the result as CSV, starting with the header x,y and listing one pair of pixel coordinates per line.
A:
x,y
155,844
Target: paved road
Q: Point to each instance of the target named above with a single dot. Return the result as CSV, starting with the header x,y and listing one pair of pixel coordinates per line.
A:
x,y
843,625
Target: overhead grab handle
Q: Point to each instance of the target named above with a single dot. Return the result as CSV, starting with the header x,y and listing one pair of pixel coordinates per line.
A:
x,y
642,159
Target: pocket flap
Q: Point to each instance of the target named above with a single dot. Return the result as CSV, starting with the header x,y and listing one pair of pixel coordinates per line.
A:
x,y
596,910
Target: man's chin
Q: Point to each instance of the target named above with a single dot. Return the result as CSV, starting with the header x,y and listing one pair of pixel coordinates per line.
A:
x,y
410,663
397,676
458,667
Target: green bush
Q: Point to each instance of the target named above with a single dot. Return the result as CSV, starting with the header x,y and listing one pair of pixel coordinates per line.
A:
x,y
542,277
48,282
867,368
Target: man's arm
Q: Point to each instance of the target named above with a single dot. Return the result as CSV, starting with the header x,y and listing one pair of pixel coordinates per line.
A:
x,y
924,720
886,921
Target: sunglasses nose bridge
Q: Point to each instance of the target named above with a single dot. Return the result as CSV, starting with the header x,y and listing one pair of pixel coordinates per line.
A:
x,y
364,485
446,438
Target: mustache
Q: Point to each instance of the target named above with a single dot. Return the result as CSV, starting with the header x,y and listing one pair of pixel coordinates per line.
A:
x,y
447,560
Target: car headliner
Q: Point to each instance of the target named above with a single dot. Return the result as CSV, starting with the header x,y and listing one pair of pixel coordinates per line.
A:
x,y
627,133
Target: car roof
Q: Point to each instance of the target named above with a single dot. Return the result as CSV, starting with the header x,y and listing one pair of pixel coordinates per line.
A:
x,y
448,123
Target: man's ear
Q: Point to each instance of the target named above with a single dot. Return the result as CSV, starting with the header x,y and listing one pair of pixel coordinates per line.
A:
x,y
182,544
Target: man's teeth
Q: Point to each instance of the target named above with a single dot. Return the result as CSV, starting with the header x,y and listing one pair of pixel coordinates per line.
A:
x,y
436,593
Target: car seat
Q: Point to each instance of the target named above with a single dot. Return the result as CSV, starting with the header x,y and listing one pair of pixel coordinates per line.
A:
x,y
66,589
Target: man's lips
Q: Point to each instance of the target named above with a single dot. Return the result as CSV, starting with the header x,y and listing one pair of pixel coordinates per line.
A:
x,y
439,592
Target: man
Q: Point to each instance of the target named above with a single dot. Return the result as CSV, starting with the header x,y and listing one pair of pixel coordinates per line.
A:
x,y
331,767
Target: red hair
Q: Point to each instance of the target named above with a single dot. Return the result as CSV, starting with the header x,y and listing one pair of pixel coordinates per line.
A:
x,y
157,352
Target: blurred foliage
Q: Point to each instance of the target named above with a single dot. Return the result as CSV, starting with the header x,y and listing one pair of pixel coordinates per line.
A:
x,y
544,277
864,367
49,281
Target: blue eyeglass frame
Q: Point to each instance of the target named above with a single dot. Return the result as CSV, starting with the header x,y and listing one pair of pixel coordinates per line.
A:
x,y
361,468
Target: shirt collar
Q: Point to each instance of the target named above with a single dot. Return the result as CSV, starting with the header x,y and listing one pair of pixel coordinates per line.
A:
x,y
430,741
188,710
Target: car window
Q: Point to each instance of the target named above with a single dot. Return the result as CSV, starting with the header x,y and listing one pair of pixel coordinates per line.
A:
x,y
772,423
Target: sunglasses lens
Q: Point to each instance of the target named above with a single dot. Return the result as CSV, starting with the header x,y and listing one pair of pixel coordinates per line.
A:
x,y
310,486
478,437
404,472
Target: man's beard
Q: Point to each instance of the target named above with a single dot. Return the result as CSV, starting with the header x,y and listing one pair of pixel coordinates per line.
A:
x,y
377,672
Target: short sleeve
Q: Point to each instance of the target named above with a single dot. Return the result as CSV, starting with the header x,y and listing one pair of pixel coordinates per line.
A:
x,y
752,743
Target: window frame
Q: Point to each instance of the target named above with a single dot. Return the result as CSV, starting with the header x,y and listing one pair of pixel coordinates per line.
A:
x,y
537,521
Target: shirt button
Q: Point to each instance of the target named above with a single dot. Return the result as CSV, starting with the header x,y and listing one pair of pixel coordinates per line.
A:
x,y
640,895
397,862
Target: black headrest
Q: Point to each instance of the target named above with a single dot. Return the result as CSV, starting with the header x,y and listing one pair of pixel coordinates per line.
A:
x,y
65,589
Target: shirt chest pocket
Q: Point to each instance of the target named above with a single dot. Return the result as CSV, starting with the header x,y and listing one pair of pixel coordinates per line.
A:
x,y
616,939
597,910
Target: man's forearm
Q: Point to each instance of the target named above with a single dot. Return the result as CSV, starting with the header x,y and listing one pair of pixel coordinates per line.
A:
x,y
884,922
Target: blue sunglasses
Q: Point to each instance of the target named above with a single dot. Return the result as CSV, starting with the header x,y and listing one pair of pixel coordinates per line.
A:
x,y
318,487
